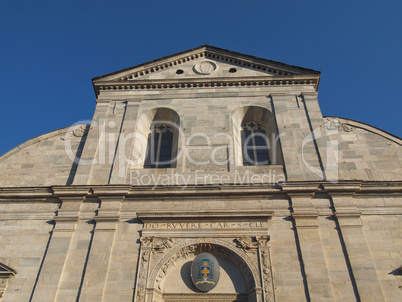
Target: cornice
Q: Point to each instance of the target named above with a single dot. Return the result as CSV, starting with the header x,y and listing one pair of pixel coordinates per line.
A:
x,y
189,83
297,188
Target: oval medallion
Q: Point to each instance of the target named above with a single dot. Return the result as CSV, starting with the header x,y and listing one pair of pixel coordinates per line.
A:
x,y
205,272
205,67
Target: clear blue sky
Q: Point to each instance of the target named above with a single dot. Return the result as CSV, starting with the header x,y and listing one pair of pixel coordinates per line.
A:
x,y
50,51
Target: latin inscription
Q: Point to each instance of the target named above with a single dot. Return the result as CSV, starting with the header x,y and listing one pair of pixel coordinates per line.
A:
x,y
203,225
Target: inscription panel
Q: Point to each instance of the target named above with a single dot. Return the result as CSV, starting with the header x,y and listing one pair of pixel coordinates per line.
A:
x,y
204,225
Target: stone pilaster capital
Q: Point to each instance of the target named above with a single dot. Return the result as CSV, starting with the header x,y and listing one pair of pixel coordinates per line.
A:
x,y
305,217
348,217
65,223
309,95
278,95
106,222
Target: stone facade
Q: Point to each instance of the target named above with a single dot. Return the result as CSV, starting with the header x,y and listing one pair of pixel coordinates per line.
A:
x,y
81,219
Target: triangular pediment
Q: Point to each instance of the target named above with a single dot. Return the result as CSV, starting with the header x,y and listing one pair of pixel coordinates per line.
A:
x,y
204,63
6,271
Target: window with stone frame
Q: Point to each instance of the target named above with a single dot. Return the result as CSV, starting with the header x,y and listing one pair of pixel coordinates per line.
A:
x,y
255,146
159,147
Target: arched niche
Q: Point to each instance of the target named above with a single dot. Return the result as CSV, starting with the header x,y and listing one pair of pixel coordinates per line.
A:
x,y
239,276
264,117
145,124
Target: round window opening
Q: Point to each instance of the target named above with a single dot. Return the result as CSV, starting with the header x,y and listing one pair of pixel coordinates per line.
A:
x,y
179,71
205,272
232,70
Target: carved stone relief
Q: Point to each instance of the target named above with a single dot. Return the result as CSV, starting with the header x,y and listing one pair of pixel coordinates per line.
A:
x,y
332,124
186,248
158,254
267,276
205,67
251,244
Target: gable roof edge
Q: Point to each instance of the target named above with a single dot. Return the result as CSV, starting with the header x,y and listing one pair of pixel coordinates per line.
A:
x,y
220,51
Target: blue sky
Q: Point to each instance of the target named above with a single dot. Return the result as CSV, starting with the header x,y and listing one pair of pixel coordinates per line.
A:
x,y
50,51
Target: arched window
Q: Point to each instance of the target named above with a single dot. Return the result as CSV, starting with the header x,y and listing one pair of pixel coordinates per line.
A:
x,y
255,144
160,146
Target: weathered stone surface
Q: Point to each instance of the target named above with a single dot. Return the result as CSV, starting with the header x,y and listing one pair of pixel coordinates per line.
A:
x,y
81,219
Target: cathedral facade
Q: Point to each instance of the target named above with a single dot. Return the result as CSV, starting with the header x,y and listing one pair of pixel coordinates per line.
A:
x,y
207,175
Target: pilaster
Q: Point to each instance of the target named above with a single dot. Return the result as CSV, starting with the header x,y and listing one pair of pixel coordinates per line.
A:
x,y
326,149
74,268
305,216
280,103
89,156
127,136
106,221
54,262
363,270
297,141
109,133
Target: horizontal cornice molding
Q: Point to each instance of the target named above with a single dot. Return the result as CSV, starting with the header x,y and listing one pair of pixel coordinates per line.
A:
x,y
57,193
190,83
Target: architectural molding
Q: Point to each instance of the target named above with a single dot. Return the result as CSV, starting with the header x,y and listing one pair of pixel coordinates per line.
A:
x,y
6,273
187,247
208,83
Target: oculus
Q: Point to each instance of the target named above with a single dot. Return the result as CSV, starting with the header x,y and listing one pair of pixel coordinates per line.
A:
x,y
205,272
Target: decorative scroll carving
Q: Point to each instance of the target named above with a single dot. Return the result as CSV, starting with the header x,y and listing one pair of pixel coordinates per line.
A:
x,y
159,245
267,276
81,131
247,243
262,240
146,241
335,124
142,274
251,243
